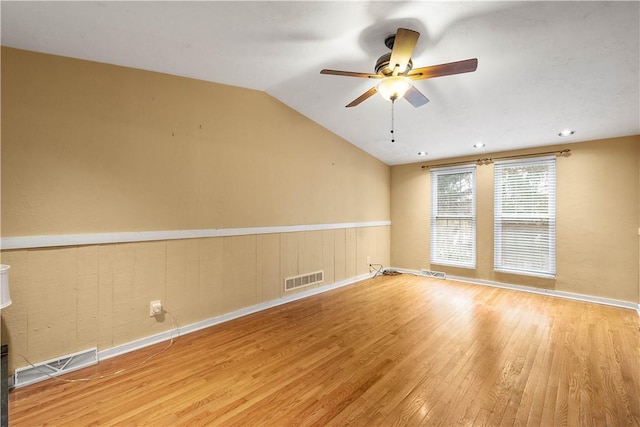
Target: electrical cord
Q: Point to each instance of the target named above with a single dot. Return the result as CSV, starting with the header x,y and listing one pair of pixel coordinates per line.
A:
x,y
112,374
380,271
391,273
378,268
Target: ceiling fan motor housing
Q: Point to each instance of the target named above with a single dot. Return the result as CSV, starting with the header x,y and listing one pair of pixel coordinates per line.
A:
x,y
382,65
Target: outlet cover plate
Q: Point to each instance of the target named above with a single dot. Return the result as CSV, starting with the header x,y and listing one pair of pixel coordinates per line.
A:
x,y
155,308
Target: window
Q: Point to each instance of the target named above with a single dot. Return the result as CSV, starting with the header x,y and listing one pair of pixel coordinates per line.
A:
x,y
453,216
524,229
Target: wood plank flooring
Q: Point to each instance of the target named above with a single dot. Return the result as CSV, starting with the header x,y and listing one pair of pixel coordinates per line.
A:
x,y
400,350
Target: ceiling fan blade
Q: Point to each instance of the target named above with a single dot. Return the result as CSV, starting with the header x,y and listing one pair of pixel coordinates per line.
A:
x,y
459,67
351,74
403,46
415,97
362,97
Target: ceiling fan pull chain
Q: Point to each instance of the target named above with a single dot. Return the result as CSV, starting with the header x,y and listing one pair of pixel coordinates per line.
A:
x,y
393,102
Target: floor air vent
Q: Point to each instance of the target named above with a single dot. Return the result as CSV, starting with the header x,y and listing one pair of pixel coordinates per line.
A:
x,y
291,283
52,368
436,274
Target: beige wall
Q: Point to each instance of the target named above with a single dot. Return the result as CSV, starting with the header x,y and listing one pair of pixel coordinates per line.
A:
x,y
95,148
597,214
89,147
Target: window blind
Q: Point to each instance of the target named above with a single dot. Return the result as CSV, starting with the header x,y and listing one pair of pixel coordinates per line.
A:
x,y
453,216
524,215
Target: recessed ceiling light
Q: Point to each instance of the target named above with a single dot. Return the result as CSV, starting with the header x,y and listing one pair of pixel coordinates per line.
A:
x,y
567,132
422,153
478,144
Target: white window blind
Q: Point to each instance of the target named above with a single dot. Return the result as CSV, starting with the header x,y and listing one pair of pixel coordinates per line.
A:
x,y
453,216
525,217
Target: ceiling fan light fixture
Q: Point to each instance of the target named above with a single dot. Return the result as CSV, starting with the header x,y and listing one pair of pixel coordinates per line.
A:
x,y
394,87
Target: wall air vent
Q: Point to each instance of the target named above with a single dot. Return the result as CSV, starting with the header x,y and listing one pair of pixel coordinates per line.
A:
x,y
436,274
291,283
51,368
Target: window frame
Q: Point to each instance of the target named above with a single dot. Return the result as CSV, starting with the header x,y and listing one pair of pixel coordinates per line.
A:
x,y
531,219
436,232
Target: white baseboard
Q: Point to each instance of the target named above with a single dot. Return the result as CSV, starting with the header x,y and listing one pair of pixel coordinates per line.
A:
x,y
549,292
182,330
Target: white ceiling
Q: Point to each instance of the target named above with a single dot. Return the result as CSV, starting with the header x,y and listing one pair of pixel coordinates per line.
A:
x,y
542,66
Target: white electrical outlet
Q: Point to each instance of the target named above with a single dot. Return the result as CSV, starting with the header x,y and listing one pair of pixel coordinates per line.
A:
x,y
155,308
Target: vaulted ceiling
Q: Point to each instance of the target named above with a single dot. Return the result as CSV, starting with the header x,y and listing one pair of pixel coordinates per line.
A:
x,y
542,66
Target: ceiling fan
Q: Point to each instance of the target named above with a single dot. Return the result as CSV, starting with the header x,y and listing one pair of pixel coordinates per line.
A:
x,y
395,71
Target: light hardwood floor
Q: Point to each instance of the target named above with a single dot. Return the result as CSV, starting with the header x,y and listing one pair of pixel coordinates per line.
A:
x,y
399,350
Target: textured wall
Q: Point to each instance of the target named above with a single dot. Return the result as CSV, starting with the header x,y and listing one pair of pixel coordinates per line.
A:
x,y
89,147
